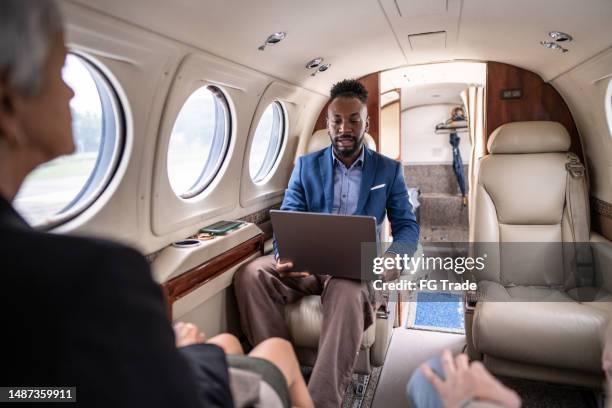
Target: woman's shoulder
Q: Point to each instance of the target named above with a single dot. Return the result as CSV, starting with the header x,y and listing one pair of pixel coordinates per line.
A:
x,y
29,251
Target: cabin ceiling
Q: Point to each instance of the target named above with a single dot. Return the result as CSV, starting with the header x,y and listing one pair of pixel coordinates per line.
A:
x,y
432,94
362,36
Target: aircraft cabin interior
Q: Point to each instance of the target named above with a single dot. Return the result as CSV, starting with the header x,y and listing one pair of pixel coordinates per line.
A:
x,y
189,118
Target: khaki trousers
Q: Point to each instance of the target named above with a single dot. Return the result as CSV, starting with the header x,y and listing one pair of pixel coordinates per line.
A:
x,y
347,312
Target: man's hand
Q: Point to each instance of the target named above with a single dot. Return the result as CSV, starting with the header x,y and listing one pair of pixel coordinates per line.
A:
x,y
187,334
391,274
465,381
284,270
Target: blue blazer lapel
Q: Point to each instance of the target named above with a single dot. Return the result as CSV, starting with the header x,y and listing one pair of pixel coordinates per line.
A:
x,y
370,164
327,175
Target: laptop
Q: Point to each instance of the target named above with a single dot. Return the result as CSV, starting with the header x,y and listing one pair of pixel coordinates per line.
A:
x,y
327,244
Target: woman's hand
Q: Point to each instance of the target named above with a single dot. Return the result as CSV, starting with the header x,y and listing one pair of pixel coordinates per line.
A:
x,y
465,381
187,334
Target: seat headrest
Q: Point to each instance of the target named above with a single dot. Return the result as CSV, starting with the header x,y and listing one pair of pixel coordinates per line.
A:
x,y
529,137
320,140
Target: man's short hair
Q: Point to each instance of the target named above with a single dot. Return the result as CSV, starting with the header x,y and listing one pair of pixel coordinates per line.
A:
x,y
349,88
26,28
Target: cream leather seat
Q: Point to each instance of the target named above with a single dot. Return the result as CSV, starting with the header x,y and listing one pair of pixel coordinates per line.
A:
x,y
305,317
529,322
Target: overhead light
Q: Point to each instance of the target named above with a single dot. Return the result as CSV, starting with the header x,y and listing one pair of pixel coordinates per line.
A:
x,y
558,36
435,96
314,63
322,68
553,46
273,39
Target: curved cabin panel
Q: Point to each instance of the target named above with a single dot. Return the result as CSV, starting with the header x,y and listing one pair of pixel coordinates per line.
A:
x,y
236,89
297,115
140,66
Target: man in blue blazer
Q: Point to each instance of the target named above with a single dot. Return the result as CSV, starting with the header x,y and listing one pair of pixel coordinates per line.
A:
x,y
345,178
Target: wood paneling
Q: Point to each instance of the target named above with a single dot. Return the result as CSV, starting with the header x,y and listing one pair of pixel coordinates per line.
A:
x,y
321,122
372,84
540,101
187,282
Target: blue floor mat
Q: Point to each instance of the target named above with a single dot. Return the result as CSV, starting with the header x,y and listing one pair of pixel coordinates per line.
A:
x,y
438,311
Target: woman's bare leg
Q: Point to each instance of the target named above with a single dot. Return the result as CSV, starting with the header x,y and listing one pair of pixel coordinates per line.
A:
x,y
228,342
280,353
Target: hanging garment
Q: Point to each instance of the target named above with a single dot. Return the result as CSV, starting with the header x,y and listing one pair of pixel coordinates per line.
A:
x,y
454,140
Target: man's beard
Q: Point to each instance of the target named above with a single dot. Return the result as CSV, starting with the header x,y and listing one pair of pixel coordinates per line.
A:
x,y
347,151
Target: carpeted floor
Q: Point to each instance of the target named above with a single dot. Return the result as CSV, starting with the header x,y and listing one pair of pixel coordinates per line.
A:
x,y
366,384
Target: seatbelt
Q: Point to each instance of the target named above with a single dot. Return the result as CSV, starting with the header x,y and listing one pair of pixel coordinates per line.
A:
x,y
577,203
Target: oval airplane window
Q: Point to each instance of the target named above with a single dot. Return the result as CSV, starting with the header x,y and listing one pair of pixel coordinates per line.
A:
x,y
60,189
199,142
267,142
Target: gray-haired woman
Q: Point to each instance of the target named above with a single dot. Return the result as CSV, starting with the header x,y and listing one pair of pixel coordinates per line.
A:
x,y
80,312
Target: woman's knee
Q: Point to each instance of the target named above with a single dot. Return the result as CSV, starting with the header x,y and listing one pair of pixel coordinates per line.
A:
x,y
277,345
279,352
228,342
276,349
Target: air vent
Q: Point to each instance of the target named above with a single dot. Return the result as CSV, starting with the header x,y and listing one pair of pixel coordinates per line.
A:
x,y
417,8
435,40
